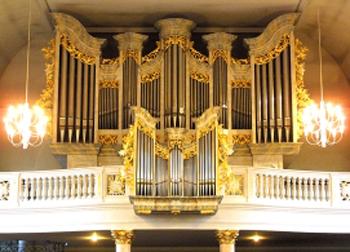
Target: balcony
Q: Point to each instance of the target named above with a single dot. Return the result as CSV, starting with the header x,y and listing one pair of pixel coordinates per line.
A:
x,y
98,198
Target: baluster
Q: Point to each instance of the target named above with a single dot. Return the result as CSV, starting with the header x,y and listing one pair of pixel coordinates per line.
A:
x,y
84,189
284,188
55,187
294,188
67,187
326,189
61,188
32,189
44,188
38,188
317,190
95,186
272,188
300,189
49,189
73,187
90,191
277,193
288,185
308,194
322,188
257,180
261,186
26,189
79,180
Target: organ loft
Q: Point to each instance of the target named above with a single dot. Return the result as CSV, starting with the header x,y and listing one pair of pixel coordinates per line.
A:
x,y
179,110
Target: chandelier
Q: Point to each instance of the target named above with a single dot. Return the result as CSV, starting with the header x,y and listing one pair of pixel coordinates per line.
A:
x,y
324,125
26,126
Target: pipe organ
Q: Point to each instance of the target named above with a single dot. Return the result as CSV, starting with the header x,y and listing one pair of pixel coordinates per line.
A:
x,y
177,109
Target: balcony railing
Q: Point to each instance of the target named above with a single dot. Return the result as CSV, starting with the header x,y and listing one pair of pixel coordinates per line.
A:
x,y
97,185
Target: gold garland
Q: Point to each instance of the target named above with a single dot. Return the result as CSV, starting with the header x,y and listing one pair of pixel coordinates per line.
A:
x,y
128,153
219,53
190,151
225,179
108,139
109,84
303,96
182,41
275,52
114,61
198,56
200,77
131,53
241,84
74,52
162,151
150,77
152,55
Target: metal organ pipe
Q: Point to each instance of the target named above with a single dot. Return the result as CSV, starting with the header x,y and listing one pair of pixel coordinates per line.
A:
x,y
71,104
85,102
278,98
78,96
63,93
265,103
258,102
286,94
271,101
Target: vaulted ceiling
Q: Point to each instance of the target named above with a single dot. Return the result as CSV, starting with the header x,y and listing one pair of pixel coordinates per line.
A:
x,y
220,13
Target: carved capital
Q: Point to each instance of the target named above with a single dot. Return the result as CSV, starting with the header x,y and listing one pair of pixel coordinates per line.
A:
x,y
177,27
219,41
130,41
227,236
122,236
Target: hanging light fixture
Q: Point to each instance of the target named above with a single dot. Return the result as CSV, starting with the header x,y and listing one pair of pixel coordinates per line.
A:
x,y
26,126
324,125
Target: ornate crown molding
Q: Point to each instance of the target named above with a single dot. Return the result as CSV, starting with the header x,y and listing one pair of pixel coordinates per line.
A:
x,y
272,35
175,27
219,41
77,34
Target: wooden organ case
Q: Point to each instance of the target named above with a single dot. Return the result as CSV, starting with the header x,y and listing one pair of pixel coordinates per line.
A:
x,y
174,114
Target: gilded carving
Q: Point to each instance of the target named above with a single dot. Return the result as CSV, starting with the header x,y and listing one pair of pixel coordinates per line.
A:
x,y
200,77
240,61
4,190
114,61
236,186
152,55
181,41
198,56
345,190
128,153
150,77
162,151
75,52
275,52
241,139
108,139
303,96
175,27
217,53
122,236
108,84
241,84
227,236
116,184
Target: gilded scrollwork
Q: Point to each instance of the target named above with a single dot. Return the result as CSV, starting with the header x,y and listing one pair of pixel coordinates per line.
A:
x,y
204,78
150,77
114,61
109,84
236,61
75,52
220,53
275,52
162,151
152,55
303,96
198,56
181,41
241,139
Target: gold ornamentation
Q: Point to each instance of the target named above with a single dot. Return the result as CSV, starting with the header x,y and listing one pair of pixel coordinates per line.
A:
x,y
303,96
200,77
162,151
275,52
116,184
241,84
190,151
241,139
128,153
175,205
75,52
227,236
132,53
220,53
122,236
240,61
114,61
207,121
197,55
4,190
345,190
109,84
182,41
224,172
46,96
108,139
236,186
150,77
152,55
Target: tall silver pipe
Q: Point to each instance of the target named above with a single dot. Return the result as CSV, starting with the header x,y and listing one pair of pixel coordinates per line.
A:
x,y
258,103
271,101
85,101
70,104
265,103
286,94
91,103
63,95
278,97
78,96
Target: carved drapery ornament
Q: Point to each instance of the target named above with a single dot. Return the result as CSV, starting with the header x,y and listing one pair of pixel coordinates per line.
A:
x,y
275,52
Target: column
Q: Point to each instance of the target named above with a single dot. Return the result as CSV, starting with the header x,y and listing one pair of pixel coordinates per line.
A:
x,y
227,240
123,239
